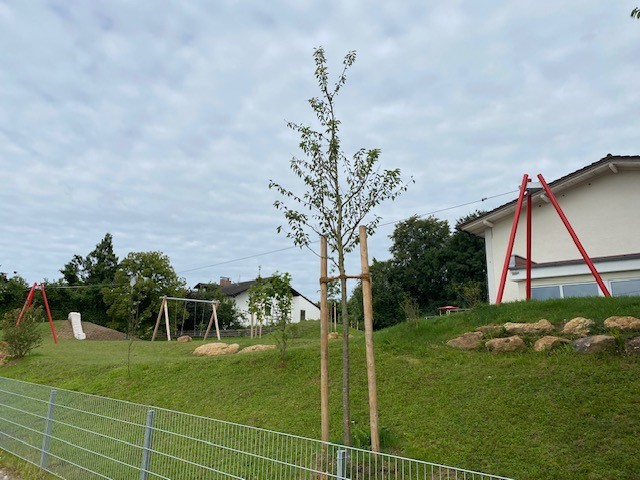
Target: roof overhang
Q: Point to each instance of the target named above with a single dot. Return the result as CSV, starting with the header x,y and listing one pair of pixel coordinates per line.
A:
x,y
608,165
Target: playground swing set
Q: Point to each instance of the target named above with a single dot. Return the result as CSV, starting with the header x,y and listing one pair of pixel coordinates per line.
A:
x,y
164,312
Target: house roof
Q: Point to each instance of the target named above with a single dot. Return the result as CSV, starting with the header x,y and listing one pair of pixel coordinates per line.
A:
x,y
609,164
236,289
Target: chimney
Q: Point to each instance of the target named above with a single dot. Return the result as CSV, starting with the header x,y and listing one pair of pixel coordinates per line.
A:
x,y
225,281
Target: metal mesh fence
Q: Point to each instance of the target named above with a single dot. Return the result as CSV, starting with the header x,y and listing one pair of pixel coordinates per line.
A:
x,y
78,436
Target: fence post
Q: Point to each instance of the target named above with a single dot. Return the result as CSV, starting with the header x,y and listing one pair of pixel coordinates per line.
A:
x,y
146,447
47,431
342,465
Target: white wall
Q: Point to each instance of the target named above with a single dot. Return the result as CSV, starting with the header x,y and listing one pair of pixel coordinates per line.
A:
x,y
298,303
603,212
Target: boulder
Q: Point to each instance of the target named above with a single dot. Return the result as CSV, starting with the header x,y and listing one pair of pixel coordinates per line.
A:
x,y
579,326
622,323
217,348
257,348
595,344
490,329
184,338
467,341
632,346
333,335
509,344
549,342
541,326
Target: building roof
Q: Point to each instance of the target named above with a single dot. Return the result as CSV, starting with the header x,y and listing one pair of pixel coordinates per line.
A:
x,y
236,289
610,164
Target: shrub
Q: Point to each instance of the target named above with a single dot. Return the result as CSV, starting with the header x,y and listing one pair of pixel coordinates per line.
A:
x,y
25,337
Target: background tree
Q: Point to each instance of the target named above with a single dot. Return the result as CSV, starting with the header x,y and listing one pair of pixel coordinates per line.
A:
x,y
340,192
155,277
466,266
13,292
418,258
387,296
89,275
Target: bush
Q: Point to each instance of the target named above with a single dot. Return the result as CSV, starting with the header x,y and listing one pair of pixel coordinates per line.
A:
x,y
25,337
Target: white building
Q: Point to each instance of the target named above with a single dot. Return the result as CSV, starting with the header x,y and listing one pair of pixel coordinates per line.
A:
x,y
602,203
301,307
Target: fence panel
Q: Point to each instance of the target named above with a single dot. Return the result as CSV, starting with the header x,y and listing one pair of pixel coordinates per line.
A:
x,y
80,436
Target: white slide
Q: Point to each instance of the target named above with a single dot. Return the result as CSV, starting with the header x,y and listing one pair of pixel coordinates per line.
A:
x,y
76,325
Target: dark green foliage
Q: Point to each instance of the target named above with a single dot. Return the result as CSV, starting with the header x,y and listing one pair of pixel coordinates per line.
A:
x,y
13,292
387,297
88,275
635,13
430,266
152,276
419,258
26,336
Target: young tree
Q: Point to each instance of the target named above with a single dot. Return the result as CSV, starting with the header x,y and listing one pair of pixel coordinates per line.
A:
x,y
272,296
340,192
23,338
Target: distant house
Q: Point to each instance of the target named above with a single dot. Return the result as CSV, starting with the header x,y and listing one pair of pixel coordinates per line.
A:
x,y
602,203
301,307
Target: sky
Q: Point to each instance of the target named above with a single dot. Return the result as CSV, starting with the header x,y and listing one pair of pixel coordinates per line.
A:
x,y
162,123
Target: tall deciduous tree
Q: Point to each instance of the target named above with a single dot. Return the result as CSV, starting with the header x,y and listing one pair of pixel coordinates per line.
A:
x,y
339,194
154,277
417,249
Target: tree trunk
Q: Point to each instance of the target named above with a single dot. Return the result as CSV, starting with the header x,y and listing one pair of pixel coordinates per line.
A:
x,y
346,409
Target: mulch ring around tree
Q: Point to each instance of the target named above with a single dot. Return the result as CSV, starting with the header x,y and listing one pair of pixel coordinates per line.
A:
x,y
91,330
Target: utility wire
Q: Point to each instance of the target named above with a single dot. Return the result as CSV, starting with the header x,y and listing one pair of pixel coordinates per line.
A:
x,y
316,241
234,260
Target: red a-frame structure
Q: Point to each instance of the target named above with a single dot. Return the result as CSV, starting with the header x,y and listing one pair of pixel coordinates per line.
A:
x,y
28,303
524,191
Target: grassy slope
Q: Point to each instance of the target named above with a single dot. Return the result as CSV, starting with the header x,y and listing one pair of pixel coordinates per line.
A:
x,y
530,416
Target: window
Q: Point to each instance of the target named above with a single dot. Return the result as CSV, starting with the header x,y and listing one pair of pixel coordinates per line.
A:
x,y
303,315
545,293
580,290
625,288
565,291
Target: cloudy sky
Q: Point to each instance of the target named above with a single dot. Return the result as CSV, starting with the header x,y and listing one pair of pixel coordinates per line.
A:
x,y
163,122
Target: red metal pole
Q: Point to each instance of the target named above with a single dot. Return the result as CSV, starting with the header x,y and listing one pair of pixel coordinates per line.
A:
x,y
575,238
46,306
27,303
512,237
528,245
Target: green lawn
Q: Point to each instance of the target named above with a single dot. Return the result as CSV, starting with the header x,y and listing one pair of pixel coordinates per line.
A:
x,y
558,415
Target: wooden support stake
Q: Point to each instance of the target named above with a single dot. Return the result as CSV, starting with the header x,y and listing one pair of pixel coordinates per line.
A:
x,y
324,343
252,319
367,304
155,329
166,319
212,319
